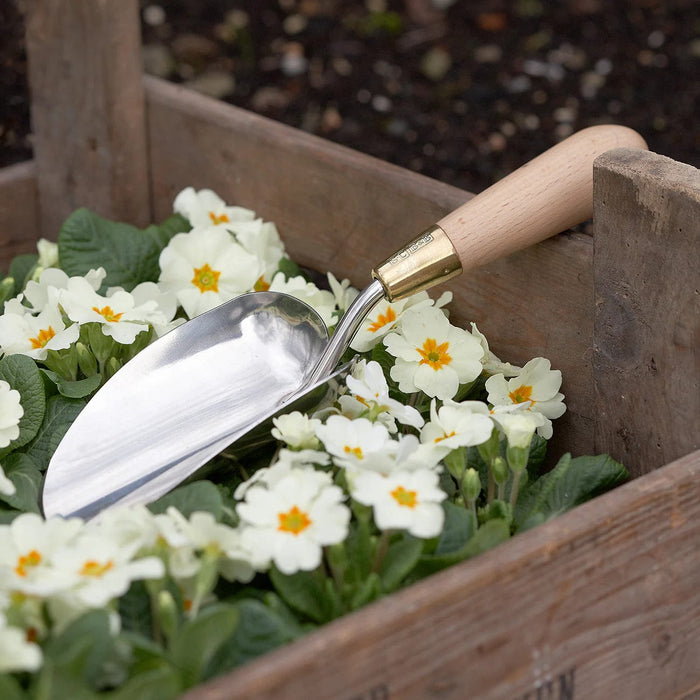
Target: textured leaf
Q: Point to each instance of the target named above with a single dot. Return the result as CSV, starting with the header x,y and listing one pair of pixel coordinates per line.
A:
x,y
80,389
60,414
200,638
22,472
401,556
129,255
199,495
163,232
570,483
304,592
459,527
21,268
259,630
22,374
161,683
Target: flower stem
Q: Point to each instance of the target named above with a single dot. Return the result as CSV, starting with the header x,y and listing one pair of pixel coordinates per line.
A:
x,y
382,548
514,488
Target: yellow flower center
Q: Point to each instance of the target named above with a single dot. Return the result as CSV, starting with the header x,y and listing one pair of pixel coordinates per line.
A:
x,y
261,285
521,394
383,320
434,355
444,436
206,279
95,568
357,451
107,313
404,497
220,219
31,559
42,337
294,521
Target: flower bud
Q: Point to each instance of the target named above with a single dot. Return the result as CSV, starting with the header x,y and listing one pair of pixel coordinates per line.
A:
x,y
471,484
7,288
86,360
517,458
111,367
499,467
166,610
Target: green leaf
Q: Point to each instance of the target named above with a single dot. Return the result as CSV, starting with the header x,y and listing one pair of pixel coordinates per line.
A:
x,y
80,389
87,241
200,638
22,374
538,453
358,552
164,232
22,472
570,483
161,683
10,689
458,529
60,414
490,534
74,660
305,592
260,629
135,610
20,270
289,268
189,498
401,556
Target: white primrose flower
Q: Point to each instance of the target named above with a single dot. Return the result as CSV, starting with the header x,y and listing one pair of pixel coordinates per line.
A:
x,y
536,387
518,426
262,239
432,355
343,292
16,652
456,425
206,267
492,365
403,500
289,522
321,300
357,443
7,487
23,333
100,569
370,393
217,541
385,316
117,313
297,430
205,208
287,461
156,307
29,550
11,412
44,291
48,253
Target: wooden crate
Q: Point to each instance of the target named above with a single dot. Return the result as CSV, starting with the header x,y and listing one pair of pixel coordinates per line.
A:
x,y
603,601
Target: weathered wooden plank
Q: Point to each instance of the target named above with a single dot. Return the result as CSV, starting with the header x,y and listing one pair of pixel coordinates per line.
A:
x,y
19,220
602,602
342,211
87,109
647,324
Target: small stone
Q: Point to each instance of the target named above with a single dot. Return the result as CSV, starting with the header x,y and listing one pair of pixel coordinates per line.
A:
x,y
492,21
435,63
539,97
341,66
214,83
154,15
295,24
518,84
331,120
590,83
603,66
508,129
269,98
488,53
497,141
565,115
382,104
194,49
363,96
531,122
656,39
293,62
561,131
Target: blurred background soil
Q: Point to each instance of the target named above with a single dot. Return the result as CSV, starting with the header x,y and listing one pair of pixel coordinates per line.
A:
x,y
460,90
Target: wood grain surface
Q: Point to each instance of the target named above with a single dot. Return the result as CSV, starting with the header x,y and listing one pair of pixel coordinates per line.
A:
x,y
19,212
647,302
602,602
87,109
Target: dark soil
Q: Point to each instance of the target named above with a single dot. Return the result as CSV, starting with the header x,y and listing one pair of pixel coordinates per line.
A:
x,y
462,91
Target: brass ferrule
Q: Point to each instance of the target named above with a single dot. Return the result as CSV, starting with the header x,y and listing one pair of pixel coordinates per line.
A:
x,y
427,260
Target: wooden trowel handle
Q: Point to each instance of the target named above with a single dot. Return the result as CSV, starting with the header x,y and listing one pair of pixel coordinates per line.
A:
x,y
546,196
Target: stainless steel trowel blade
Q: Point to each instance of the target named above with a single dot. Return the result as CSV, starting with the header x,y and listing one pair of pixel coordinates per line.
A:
x,y
182,400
